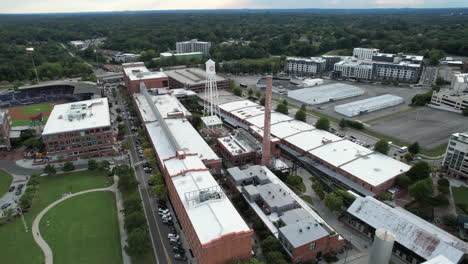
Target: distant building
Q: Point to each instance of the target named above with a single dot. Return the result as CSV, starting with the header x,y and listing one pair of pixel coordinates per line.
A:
x,y
79,130
79,44
193,79
126,57
193,46
306,66
416,241
181,56
383,57
456,157
136,73
364,53
402,71
454,99
301,231
5,128
331,60
355,69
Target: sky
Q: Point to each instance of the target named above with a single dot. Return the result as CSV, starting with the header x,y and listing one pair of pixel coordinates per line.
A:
x,y
53,6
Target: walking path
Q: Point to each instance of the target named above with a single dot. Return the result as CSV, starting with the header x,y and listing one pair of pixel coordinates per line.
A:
x,y
43,244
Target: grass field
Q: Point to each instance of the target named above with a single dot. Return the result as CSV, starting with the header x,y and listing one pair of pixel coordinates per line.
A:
x,y
5,182
460,195
17,246
37,109
91,230
25,122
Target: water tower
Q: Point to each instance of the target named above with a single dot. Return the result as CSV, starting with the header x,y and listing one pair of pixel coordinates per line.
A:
x,y
211,113
382,248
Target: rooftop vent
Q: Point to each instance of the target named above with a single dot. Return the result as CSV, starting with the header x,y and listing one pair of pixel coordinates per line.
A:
x,y
300,230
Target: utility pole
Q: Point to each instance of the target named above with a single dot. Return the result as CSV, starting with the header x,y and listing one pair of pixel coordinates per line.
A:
x,y
34,65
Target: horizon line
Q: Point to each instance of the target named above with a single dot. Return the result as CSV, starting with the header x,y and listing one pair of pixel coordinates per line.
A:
x,y
235,9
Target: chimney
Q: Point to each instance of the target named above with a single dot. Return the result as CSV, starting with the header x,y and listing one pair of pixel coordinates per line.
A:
x,y
266,152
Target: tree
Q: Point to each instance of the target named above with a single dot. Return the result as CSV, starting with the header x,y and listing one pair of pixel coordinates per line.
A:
x,y
403,181
414,148
419,171
92,164
450,221
196,121
135,220
300,115
282,108
440,81
422,190
161,191
33,142
270,244
276,257
49,169
465,111
237,91
333,202
250,261
323,123
250,92
262,101
156,179
258,94
138,242
318,189
382,146
409,157
119,119
132,205
343,123
68,166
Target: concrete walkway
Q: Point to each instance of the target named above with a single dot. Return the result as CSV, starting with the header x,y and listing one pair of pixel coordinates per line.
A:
x,y
35,227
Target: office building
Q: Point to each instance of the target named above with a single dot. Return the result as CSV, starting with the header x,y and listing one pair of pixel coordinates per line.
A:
x,y
193,46
305,66
126,58
215,231
136,73
364,53
5,128
79,130
354,69
303,234
456,157
416,240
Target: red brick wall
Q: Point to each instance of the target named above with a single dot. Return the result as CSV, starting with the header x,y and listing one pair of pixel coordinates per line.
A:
x,y
134,86
324,245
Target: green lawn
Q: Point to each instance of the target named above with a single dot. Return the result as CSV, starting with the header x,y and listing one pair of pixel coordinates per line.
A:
x,y
84,229
37,109
5,182
17,246
460,195
26,122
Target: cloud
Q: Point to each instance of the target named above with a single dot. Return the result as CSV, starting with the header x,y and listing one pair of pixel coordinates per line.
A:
x,y
49,6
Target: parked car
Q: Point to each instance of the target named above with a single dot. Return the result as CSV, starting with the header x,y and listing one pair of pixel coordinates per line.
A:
x,y
175,236
173,240
12,188
167,218
18,192
168,222
20,186
180,257
178,250
175,243
5,206
162,211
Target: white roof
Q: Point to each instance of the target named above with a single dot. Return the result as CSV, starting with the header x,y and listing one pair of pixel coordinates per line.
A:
x,y
275,119
248,112
231,106
368,105
140,72
325,93
414,233
78,116
439,260
311,139
167,105
340,152
289,128
191,76
213,120
310,59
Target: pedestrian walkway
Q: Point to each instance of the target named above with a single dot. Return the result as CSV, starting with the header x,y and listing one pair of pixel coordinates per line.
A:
x,y
35,227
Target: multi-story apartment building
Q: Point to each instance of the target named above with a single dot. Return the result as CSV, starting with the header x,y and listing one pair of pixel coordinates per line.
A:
x,y
193,46
364,53
456,156
306,66
330,61
79,130
136,73
356,69
402,71
5,127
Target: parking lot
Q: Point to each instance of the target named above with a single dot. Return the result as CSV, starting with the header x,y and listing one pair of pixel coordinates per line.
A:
x,y
11,198
430,127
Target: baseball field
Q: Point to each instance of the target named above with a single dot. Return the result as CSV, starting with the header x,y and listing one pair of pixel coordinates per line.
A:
x,y
23,115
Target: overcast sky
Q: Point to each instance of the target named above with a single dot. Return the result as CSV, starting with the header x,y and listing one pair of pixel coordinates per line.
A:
x,y
47,6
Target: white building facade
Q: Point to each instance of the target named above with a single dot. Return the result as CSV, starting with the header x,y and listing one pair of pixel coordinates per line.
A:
x,y
456,156
305,66
193,46
364,53
356,69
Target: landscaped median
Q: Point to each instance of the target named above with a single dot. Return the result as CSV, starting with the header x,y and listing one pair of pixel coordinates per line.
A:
x,y
18,246
5,182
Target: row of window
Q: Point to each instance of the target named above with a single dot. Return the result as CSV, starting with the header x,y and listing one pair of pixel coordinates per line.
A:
x,y
77,133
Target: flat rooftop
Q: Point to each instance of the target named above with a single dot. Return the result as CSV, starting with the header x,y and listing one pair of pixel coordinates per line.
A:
x,y
140,72
325,93
78,116
190,76
167,104
238,143
414,233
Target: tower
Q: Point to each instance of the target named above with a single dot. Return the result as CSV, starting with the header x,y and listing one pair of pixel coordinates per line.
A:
x,y
266,150
210,111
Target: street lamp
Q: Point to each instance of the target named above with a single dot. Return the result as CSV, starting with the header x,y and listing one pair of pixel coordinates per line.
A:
x,y
34,65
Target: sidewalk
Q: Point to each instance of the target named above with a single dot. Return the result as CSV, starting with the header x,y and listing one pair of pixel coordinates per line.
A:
x,y
28,163
123,233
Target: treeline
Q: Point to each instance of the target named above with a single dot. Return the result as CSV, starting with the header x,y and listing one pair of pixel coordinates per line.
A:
x,y
271,65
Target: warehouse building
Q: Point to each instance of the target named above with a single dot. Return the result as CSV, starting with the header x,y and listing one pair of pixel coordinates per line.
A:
x,y
305,66
5,129
416,241
214,229
364,53
349,164
456,157
79,130
354,69
193,79
368,105
325,93
301,231
193,46
136,73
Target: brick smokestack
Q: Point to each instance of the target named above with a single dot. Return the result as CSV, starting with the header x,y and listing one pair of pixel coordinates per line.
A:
x,y
266,151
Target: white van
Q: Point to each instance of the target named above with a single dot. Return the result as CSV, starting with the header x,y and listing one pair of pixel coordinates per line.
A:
x,y
403,149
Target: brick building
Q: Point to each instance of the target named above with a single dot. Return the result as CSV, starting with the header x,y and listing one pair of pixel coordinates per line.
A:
x,y
79,130
193,79
239,148
136,73
214,229
5,128
301,231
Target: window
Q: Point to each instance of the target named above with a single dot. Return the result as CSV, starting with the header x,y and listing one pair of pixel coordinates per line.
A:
x,y
312,246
